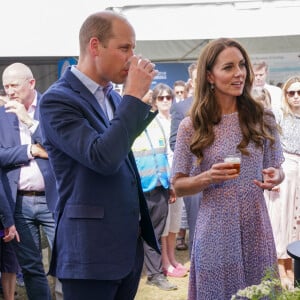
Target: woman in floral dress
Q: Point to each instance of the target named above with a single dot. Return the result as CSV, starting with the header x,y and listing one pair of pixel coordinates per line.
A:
x,y
233,243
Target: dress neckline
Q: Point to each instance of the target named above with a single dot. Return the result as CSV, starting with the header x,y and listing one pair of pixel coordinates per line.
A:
x,y
230,114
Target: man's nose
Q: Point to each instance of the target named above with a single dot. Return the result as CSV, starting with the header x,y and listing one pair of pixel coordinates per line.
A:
x,y
130,53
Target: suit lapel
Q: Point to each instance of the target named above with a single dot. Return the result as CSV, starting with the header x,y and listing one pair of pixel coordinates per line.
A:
x,y
90,98
13,120
114,101
85,94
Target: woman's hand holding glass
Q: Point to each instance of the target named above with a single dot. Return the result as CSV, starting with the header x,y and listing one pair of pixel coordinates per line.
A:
x,y
221,172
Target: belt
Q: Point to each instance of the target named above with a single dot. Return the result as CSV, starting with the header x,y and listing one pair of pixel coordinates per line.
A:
x,y
30,193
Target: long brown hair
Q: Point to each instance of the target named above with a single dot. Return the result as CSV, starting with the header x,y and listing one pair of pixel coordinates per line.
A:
x,y
205,111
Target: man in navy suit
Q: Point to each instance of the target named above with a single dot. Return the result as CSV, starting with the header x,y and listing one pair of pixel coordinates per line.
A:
x,y
26,176
88,131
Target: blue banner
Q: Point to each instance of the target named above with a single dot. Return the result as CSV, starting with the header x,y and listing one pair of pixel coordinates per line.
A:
x,y
170,72
64,63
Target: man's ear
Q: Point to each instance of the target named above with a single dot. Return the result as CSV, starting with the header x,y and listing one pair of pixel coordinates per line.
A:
x,y
94,46
32,83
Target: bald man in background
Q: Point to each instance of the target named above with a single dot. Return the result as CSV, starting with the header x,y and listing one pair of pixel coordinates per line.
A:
x,y
26,176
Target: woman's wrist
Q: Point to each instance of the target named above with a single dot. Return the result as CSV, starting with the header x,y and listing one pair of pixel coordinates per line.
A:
x,y
209,177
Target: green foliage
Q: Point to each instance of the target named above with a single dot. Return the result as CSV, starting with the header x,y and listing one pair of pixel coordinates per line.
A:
x,y
269,288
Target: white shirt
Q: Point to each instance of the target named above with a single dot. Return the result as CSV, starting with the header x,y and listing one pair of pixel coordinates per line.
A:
x,y
31,178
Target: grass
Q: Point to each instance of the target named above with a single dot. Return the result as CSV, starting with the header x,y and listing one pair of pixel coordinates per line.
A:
x,y
145,292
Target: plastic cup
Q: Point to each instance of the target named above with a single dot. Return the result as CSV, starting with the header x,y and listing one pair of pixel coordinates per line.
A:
x,y
235,160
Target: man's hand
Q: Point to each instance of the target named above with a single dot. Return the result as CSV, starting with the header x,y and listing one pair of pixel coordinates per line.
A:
x,y
11,233
19,109
36,150
140,75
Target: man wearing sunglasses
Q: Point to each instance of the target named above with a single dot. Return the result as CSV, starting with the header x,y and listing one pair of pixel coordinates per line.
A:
x,y
179,90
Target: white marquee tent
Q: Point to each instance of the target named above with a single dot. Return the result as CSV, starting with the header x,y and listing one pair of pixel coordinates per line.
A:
x,y
166,30
176,30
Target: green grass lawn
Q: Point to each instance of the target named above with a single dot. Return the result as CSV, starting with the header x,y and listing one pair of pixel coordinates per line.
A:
x,y
145,292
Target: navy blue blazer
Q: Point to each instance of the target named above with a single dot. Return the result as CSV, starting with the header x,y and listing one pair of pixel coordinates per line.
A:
x,y
101,206
13,155
178,112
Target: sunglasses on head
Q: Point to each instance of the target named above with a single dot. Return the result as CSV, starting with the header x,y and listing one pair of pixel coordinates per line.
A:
x,y
161,98
292,93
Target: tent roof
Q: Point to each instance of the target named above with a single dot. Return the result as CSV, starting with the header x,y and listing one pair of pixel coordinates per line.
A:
x,y
166,30
206,19
177,30
188,50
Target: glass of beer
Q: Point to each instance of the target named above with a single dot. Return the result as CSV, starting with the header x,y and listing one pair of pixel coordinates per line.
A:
x,y
235,160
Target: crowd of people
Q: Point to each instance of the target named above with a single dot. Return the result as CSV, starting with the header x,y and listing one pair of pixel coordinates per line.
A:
x,y
116,181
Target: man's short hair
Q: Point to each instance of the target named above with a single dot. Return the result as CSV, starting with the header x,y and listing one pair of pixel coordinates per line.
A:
x,y
99,25
258,65
179,83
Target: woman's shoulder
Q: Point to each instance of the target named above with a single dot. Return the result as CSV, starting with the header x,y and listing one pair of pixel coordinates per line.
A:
x,y
187,122
186,127
270,115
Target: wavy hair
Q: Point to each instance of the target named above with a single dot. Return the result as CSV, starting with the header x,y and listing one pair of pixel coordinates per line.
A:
x,y
205,111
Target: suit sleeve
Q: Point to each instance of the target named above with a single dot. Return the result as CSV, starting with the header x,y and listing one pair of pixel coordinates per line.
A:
x,y
13,157
74,127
